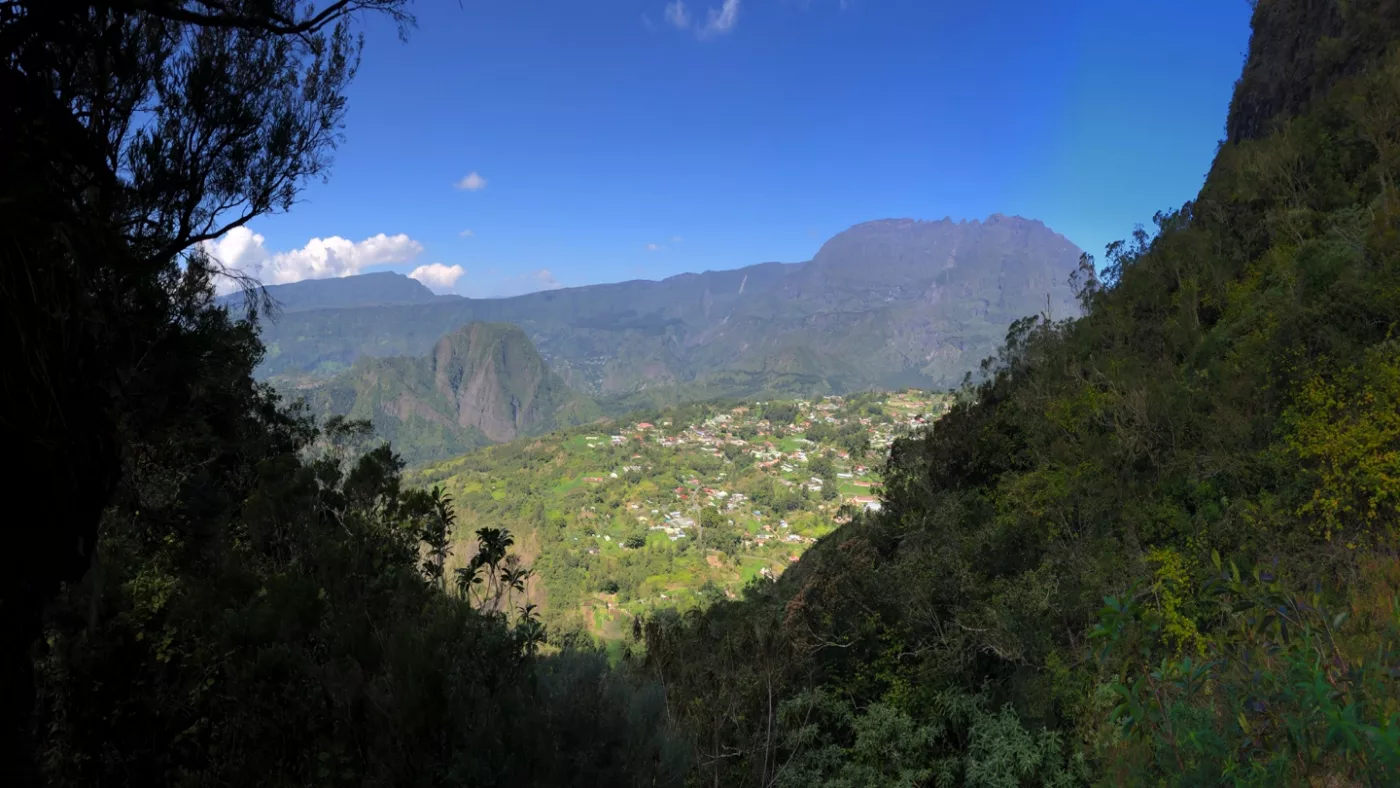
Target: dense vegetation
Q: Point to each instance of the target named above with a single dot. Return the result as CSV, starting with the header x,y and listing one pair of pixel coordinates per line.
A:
x,y
1158,544
289,622
675,508
214,591
1155,545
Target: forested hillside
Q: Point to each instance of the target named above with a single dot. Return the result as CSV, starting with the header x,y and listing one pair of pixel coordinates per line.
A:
x,y
1158,545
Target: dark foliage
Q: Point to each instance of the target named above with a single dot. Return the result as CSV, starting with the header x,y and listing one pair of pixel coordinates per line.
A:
x,y
233,596
130,137
1049,595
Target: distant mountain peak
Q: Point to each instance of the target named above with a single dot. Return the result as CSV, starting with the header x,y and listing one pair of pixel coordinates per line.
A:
x,y
376,288
498,380
896,223
891,302
383,275
907,247
482,382
906,223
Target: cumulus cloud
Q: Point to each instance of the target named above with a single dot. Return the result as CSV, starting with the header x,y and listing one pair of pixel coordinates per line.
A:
x,y
653,247
241,250
721,20
467,233
677,15
675,239
437,277
473,182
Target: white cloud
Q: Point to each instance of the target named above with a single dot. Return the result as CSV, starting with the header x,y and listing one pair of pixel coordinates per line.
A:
x,y
543,279
721,20
437,277
467,233
241,250
718,20
677,15
653,247
675,239
472,183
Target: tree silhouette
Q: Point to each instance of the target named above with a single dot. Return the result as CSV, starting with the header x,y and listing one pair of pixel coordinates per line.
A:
x,y
437,532
134,131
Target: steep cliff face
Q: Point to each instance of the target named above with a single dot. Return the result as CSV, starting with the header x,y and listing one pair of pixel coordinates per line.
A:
x,y
497,381
484,383
1298,49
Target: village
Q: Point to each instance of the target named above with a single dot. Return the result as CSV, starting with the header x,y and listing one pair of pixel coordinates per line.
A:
x,y
782,452
693,502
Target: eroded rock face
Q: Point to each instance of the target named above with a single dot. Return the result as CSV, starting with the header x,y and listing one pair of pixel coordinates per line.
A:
x,y
482,383
495,377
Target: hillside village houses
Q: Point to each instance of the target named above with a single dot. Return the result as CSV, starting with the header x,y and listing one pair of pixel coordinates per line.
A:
x,y
776,451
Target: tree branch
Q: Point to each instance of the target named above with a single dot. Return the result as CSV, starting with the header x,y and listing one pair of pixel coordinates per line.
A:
x,y
272,22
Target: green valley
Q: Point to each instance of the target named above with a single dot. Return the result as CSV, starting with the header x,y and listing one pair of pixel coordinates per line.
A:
x,y
734,529
676,508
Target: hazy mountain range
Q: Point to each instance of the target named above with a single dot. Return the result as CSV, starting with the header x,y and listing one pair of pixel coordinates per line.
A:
x,y
884,304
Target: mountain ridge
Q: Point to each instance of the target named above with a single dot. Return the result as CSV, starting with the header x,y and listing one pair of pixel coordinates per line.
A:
x,y
375,288
891,301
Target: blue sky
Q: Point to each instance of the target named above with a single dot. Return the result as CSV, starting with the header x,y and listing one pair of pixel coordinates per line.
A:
x,y
610,142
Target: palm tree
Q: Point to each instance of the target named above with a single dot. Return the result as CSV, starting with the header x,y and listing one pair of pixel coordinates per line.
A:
x,y
437,531
492,545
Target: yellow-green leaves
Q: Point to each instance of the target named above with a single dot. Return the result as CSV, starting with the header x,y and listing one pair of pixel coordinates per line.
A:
x,y
1171,587
1345,431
